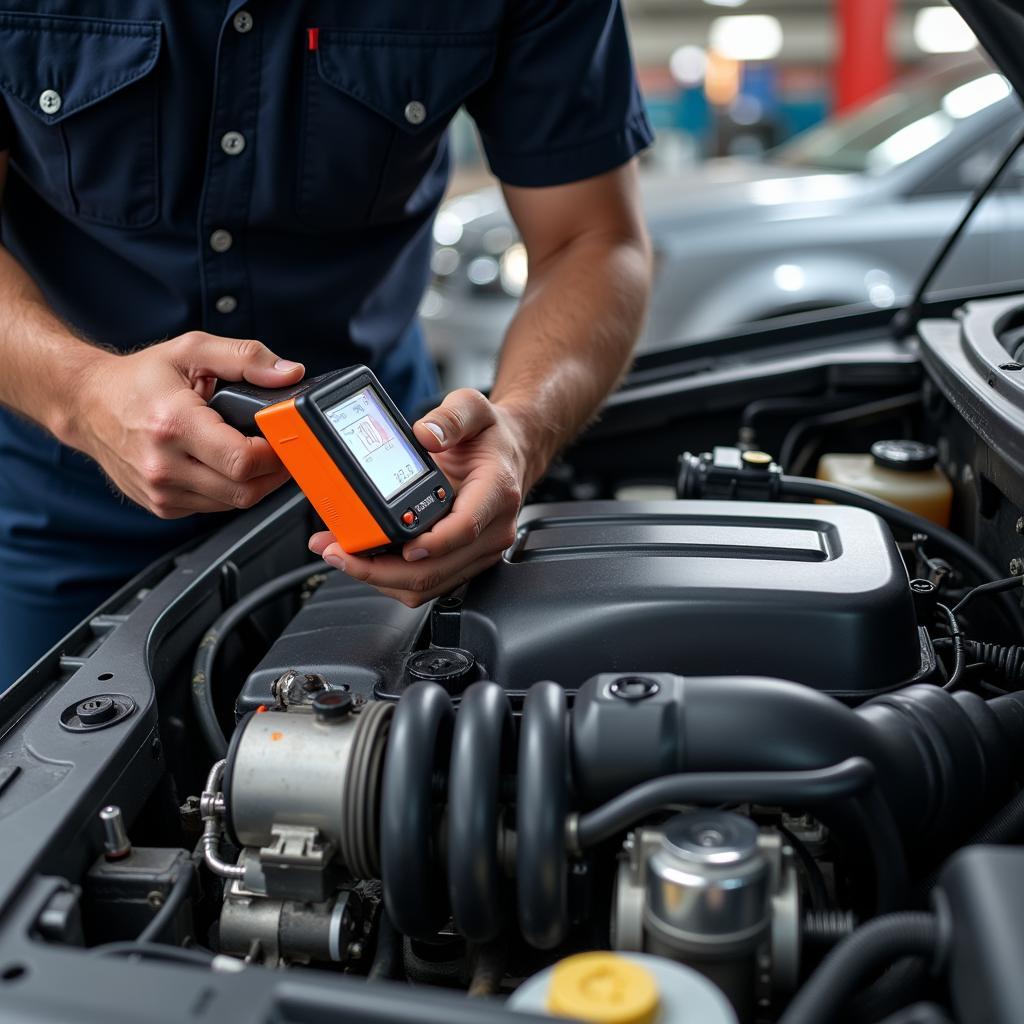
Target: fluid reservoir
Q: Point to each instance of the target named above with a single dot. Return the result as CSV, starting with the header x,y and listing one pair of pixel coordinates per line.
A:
x,y
623,988
901,472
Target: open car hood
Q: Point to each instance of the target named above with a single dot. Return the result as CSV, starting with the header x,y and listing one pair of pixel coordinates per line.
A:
x,y
999,26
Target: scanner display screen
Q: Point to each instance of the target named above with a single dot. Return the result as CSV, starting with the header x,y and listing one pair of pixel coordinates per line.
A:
x,y
373,437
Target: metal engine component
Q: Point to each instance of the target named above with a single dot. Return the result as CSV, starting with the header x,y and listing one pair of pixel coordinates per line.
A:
x,y
711,890
302,787
278,932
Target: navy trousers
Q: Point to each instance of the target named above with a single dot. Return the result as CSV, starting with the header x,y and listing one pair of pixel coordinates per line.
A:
x,y
68,540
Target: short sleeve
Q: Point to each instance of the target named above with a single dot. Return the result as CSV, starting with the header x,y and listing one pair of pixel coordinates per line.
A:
x,y
562,104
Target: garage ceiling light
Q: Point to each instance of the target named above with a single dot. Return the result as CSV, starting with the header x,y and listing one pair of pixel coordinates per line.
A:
x,y
725,3
688,65
746,36
942,30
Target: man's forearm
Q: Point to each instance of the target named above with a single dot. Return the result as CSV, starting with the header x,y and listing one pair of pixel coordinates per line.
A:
x,y
571,340
43,360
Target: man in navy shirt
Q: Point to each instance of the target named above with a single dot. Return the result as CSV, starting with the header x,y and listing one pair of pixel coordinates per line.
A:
x,y
237,189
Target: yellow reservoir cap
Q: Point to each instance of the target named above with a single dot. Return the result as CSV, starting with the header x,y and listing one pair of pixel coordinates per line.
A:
x,y
603,988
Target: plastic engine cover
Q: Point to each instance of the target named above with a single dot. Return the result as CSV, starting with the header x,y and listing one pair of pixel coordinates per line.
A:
x,y
813,593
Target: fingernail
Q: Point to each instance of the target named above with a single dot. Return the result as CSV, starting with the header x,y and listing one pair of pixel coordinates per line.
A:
x,y
435,430
284,365
338,563
416,554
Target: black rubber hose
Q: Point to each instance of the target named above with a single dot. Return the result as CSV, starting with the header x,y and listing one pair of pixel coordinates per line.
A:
x,y
173,902
155,951
482,751
856,959
883,407
541,807
387,960
845,794
1005,660
804,487
203,666
412,869
795,788
1005,826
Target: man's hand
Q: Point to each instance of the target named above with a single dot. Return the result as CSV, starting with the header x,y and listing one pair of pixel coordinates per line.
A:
x,y
481,450
143,417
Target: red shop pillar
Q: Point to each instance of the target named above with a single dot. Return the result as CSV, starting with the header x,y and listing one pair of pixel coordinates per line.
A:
x,y
864,68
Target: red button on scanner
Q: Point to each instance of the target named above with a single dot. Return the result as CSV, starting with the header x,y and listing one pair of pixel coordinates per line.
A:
x,y
440,494
409,517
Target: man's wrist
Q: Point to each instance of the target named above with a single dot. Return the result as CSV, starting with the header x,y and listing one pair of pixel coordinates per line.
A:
x,y
75,383
534,439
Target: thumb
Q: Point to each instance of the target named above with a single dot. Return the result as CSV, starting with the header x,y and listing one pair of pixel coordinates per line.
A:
x,y
462,415
206,355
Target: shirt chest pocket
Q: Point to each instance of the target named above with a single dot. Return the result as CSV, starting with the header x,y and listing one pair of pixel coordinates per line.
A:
x,y
375,109
84,106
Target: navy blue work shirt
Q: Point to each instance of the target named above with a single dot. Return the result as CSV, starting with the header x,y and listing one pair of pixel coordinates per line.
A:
x,y
268,170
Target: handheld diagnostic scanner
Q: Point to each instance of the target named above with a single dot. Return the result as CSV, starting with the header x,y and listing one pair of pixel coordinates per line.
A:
x,y
350,451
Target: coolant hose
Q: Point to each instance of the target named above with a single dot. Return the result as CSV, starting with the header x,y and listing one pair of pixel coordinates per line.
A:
x,y
213,640
860,956
806,487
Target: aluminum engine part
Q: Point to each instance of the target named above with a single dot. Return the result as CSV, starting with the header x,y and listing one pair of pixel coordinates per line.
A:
x,y
289,767
280,932
709,889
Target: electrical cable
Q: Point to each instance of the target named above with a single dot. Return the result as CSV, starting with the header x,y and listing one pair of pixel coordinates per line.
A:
x,y
958,647
206,656
805,487
993,587
173,902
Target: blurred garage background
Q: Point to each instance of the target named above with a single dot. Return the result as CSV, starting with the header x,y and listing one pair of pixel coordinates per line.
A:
x,y
810,154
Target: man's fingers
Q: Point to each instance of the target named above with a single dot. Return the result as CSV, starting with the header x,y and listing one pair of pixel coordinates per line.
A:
x,y
462,415
319,542
200,355
477,505
416,598
230,453
395,573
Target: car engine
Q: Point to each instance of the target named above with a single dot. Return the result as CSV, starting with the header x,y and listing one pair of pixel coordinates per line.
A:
x,y
715,741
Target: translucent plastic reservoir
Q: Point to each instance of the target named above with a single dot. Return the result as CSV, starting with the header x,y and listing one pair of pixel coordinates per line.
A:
x,y
901,472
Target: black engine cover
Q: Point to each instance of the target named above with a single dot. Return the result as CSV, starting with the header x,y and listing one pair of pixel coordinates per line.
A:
x,y
813,593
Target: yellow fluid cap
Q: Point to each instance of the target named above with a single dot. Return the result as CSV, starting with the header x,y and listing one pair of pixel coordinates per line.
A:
x,y
603,988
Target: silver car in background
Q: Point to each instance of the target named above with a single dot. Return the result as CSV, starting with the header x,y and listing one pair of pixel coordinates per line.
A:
x,y
846,213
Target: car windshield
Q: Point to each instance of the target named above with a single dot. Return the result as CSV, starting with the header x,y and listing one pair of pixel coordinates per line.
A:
x,y
897,126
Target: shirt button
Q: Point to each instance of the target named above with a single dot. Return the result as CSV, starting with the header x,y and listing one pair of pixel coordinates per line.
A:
x,y
415,112
220,240
242,21
50,101
226,304
232,143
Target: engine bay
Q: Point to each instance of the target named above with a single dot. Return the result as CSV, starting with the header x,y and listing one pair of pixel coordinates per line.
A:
x,y
714,721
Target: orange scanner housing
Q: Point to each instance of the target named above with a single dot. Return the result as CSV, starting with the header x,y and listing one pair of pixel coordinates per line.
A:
x,y
330,493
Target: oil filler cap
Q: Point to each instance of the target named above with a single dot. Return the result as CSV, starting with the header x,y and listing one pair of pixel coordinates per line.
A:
x,y
603,988
906,456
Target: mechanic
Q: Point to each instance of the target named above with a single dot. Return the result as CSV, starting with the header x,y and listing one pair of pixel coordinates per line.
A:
x,y
182,179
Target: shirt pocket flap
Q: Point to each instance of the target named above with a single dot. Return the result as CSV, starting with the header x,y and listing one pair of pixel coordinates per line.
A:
x,y
414,79
55,66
